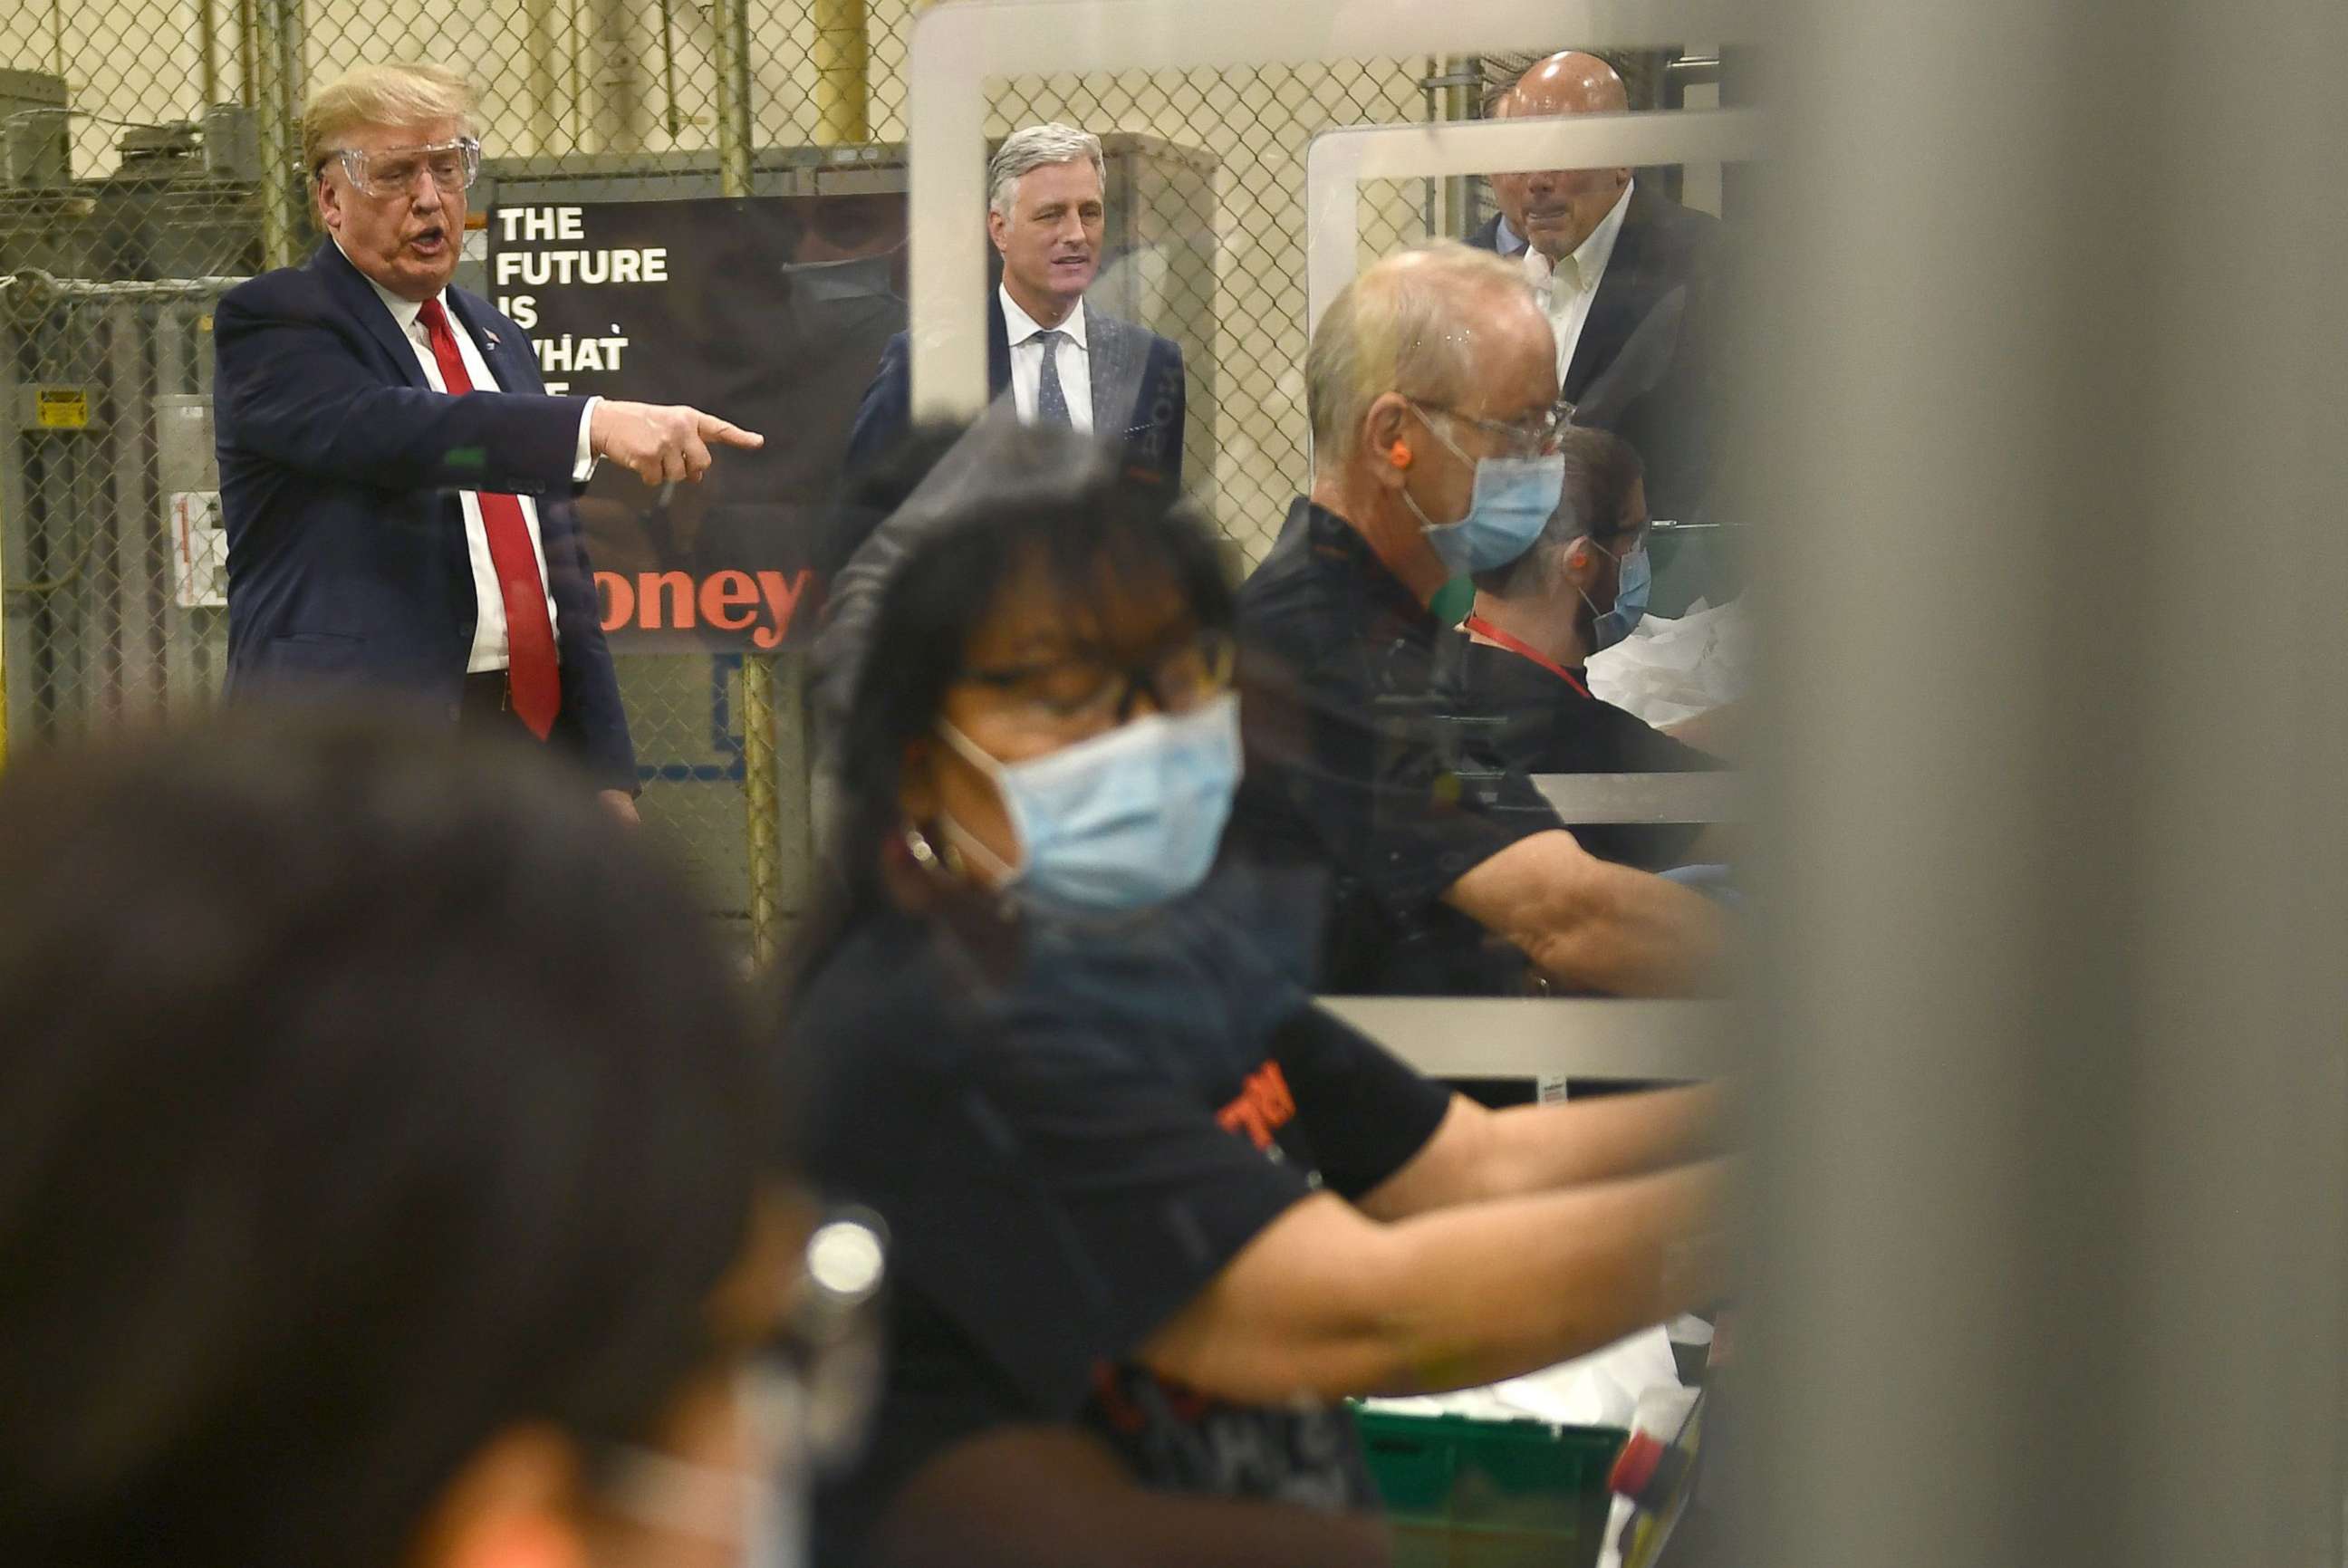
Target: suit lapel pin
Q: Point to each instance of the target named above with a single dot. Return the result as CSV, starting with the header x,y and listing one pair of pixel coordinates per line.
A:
x,y
492,337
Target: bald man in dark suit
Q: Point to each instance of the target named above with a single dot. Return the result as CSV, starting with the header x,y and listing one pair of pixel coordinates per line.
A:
x,y
1630,280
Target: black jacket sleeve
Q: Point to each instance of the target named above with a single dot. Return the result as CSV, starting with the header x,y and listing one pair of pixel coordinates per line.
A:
x,y
886,411
291,389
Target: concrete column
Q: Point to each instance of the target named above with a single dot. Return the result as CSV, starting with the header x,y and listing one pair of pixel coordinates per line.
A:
x,y
2049,1199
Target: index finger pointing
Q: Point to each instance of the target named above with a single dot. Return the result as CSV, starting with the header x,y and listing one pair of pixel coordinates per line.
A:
x,y
714,429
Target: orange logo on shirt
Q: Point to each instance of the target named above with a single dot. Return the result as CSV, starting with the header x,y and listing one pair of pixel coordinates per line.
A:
x,y
1262,1108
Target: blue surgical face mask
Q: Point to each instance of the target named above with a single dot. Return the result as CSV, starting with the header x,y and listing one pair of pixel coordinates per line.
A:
x,y
1122,820
1506,511
1631,582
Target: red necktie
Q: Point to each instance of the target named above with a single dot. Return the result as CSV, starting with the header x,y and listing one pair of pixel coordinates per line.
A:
x,y
530,635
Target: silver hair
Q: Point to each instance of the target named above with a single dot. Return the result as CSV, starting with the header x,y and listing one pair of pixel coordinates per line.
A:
x,y
1037,147
1401,326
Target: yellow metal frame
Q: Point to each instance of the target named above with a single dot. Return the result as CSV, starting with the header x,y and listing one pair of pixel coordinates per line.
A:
x,y
842,116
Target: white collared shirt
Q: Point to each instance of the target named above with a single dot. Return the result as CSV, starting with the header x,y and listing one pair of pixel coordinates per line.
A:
x,y
1027,362
1567,288
490,650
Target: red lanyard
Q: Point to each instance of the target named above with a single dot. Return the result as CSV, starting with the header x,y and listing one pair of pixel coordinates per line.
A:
x,y
1484,629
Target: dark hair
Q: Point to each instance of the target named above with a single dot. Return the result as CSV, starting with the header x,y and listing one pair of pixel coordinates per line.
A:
x,y
1599,469
360,1097
1121,529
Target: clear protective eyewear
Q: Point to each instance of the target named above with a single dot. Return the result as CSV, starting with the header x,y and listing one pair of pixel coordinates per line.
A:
x,y
1083,688
1623,543
808,1399
1535,436
817,1382
453,165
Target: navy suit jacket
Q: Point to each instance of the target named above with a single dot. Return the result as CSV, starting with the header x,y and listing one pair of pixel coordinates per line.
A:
x,y
1645,364
339,468
1138,392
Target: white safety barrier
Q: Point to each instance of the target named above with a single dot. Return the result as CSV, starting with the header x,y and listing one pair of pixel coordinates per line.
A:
x,y
1579,1037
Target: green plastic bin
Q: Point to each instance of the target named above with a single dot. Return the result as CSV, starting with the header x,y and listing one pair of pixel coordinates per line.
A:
x,y
1467,1493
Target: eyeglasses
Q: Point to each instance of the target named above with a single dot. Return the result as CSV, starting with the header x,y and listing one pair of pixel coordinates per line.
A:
x,y
1089,688
1535,435
819,1381
1624,541
453,165
807,1397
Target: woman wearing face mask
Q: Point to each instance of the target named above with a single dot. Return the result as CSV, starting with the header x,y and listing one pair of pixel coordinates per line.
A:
x,y
1151,1205
1580,589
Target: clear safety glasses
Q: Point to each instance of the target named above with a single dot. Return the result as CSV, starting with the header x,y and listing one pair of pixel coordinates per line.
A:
x,y
453,165
807,1397
1535,435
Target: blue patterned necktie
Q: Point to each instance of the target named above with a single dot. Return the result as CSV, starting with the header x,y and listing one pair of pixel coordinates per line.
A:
x,y
1051,397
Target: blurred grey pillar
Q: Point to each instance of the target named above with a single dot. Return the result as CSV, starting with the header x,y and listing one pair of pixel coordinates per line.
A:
x,y
2049,1175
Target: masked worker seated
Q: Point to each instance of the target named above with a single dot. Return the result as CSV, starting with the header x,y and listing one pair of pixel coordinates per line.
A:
x,y
1155,1212
1580,590
1432,385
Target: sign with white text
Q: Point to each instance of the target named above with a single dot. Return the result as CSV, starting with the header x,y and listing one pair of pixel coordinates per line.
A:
x,y
770,312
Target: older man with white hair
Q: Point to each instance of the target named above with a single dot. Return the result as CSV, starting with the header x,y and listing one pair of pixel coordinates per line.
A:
x,y
1060,361
1432,385
395,479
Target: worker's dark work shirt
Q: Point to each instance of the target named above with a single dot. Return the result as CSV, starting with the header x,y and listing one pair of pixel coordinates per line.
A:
x,y
1069,1131
1365,760
1541,724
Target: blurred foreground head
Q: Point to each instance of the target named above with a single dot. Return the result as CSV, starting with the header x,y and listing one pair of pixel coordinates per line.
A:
x,y
380,1162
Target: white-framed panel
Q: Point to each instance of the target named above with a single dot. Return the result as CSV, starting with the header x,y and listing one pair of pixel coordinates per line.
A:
x,y
957,47
1590,800
1339,160
1530,1038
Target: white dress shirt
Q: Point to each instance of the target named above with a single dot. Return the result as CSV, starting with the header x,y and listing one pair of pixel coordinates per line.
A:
x,y
1567,288
490,620
1075,361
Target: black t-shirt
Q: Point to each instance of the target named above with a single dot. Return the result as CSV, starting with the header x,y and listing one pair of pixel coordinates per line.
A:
x,y
1542,725
1365,760
1068,1139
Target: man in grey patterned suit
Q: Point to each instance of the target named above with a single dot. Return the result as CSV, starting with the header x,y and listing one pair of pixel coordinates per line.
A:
x,y
1061,363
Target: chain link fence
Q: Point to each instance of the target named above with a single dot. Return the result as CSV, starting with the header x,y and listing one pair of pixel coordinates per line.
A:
x,y
1240,318
145,165
143,150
